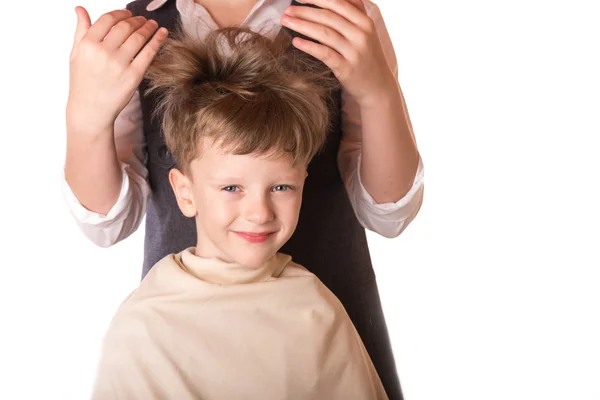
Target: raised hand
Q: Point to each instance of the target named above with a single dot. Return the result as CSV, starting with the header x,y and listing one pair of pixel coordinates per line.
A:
x,y
106,66
349,45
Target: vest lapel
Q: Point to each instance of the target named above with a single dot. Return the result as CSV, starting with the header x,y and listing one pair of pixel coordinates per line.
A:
x,y
167,16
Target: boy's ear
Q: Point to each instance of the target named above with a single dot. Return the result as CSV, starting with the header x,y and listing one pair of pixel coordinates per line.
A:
x,y
183,192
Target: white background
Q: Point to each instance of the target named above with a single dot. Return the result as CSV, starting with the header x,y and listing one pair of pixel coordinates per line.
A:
x,y
492,293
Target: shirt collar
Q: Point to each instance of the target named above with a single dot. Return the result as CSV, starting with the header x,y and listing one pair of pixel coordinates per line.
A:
x,y
215,271
155,5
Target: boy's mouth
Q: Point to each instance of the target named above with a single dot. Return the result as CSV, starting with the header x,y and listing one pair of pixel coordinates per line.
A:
x,y
254,237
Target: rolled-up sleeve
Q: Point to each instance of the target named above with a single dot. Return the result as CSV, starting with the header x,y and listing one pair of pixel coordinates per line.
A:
x,y
386,219
128,212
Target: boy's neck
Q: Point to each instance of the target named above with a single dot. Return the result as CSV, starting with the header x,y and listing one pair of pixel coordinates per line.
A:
x,y
200,252
228,13
223,273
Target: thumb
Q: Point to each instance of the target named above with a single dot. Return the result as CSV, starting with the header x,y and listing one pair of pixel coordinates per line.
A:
x,y
83,24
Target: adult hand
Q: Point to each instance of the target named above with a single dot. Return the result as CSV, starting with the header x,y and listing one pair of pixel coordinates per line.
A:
x,y
106,66
348,45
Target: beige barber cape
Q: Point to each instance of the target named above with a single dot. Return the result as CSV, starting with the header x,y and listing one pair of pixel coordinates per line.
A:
x,y
200,328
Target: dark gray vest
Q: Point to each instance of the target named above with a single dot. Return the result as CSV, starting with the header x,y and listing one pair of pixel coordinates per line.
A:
x,y
329,241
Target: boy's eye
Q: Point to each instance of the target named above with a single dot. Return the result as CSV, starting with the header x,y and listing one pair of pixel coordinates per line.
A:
x,y
281,188
231,188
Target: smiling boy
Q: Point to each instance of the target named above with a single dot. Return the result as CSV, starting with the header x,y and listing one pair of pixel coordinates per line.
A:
x,y
232,318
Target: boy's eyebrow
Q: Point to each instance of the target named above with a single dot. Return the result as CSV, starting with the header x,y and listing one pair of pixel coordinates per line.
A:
x,y
217,178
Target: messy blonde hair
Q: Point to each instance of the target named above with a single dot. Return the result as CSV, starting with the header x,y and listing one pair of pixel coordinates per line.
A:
x,y
247,93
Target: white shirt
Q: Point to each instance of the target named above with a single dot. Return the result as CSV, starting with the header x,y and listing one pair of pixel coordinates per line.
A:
x,y
388,219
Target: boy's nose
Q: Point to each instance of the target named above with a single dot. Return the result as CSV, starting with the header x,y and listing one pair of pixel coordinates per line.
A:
x,y
259,211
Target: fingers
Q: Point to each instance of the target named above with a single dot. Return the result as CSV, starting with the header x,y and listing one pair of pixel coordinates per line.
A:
x,y
142,61
136,41
321,16
104,24
121,32
345,8
324,26
327,55
83,24
358,4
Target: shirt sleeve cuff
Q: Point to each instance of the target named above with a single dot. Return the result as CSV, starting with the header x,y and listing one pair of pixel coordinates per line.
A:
x,y
391,207
386,219
84,216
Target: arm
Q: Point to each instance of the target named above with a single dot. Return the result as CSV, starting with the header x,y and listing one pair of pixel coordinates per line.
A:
x,y
106,67
385,216
378,155
92,169
389,152
127,211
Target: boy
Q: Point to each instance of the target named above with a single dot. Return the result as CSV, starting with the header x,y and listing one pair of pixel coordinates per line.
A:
x,y
231,318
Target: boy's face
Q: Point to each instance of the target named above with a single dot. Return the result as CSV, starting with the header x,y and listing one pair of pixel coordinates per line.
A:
x,y
246,206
